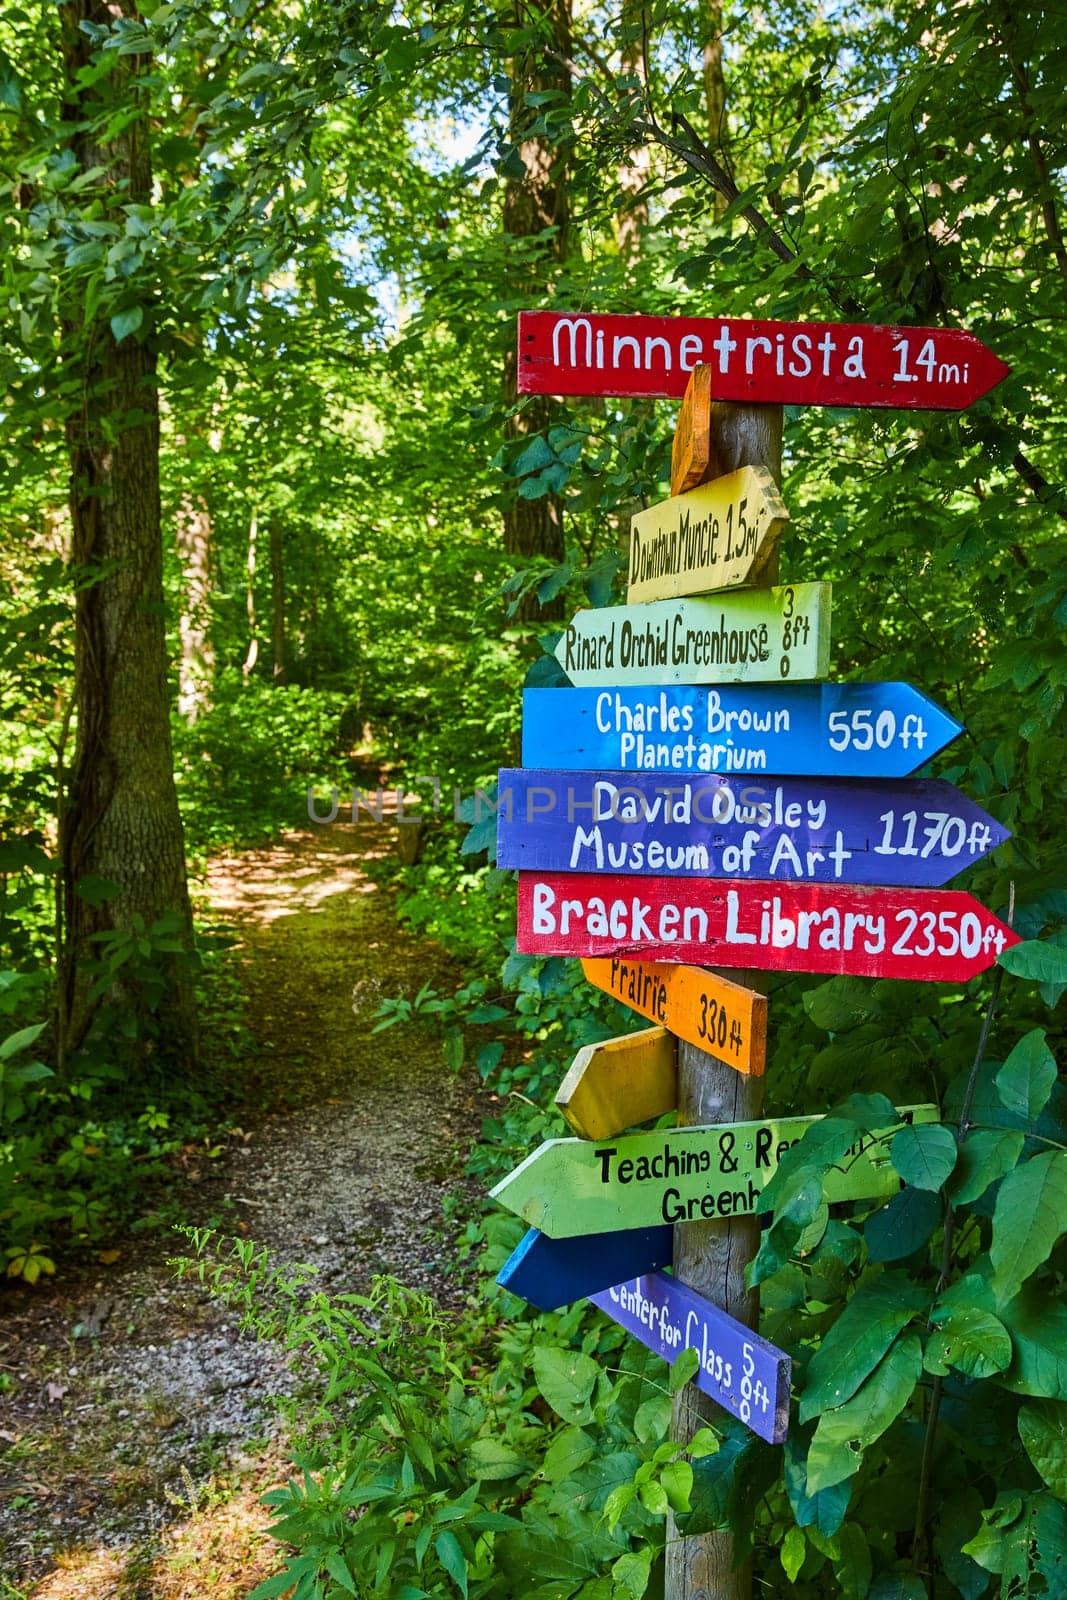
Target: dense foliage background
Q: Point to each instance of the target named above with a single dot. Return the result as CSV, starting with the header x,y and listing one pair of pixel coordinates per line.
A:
x,y
307,228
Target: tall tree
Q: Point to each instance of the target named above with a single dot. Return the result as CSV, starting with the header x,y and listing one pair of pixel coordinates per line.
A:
x,y
536,228
121,821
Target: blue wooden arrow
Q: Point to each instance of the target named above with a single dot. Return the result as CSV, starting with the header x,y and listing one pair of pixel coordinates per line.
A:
x,y
836,730
744,1373
550,1273
907,831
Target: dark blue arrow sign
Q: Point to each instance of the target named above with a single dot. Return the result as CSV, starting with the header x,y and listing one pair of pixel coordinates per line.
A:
x,y
914,832
837,730
744,1373
550,1273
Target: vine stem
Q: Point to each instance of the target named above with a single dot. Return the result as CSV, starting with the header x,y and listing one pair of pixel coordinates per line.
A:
x,y
963,1127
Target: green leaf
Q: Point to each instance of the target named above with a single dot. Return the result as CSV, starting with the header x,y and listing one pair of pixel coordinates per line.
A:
x,y
902,1225
677,1480
969,1338
20,1040
571,1449
682,1369
852,1565
845,1432
631,1573
985,1156
653,1418
451,1557
824,1511
96,891
493,1459
1034,958
1025,1081
793,1551
925,1155
565,1379
728,1486
1043,1431
1037,1323
123,323
841,1004
858,1340
1030,1216
337,1567
536,456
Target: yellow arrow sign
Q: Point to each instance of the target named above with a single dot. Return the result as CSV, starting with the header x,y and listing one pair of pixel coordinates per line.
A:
x,y
717,536
618,1083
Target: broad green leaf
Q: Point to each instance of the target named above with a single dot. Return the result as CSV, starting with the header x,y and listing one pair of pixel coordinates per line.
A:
x,y
985,1156
337,1567
728,1486
852,1564
1037,1322
1030,1216
857,1341
793,1551
492,1459
970,1339
845,1432
1025,1081
925,1155
570,1450
566,1379
123,323
902,1225
1043,1431
677,1479
1035,959
682,1369
824,1511
653,1418
450,1555
631,1573
841,1004
20,1041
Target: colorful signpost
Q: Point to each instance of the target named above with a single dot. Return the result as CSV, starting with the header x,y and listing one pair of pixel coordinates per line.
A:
x,y
746,1374
703,1008
939,935
568,1187
715,537
830,830
618,1083
550,1273
838,730
755,362
750,636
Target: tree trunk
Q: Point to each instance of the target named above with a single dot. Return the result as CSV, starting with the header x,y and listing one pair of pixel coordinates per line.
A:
x,y
252,655
196,669
635,172
715,94
121,821
277,600
532,204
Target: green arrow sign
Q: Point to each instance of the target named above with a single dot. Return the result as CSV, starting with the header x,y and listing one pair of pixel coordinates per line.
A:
x,y
573,1186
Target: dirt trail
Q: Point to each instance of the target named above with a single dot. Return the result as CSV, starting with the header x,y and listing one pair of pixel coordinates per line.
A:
x,y
139,1429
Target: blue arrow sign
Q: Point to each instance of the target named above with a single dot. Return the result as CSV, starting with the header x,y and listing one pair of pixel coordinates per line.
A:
x,y
744,1373
550,1273
800,830
836,730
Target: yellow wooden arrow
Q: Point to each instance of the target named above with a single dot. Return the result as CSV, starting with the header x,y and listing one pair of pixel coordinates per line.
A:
x,y
618,1083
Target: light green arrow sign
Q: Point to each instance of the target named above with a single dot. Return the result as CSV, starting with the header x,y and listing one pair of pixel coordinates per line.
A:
x,y
746,636
574,1186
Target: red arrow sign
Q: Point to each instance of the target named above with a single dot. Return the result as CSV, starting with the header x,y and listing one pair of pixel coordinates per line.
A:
x,y
870,933
783,363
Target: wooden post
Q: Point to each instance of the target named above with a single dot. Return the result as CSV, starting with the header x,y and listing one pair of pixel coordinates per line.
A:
x,y
712,1256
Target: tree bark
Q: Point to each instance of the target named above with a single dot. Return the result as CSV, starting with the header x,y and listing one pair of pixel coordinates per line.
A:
x,y
534,205
635,171
121,820
715,95
277,600
196,668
